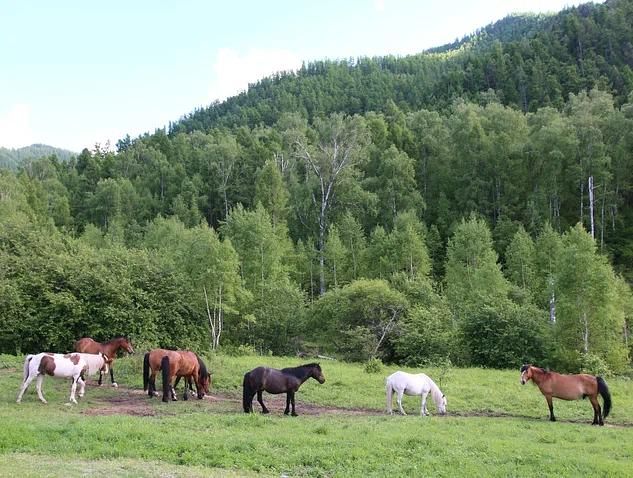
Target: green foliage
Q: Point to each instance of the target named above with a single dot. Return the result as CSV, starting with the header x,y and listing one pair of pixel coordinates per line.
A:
x,y
357,319
505,336
374,365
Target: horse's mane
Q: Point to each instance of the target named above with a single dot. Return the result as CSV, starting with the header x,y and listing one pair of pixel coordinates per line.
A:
x,y
542,370
202,372
294,370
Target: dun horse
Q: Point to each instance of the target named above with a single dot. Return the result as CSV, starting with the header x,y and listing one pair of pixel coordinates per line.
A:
x,y
87,345
403,383
61,365
174,364
271,380
569,387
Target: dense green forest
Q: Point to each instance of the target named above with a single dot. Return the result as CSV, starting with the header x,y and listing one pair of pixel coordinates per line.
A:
x,y
13,158
471,204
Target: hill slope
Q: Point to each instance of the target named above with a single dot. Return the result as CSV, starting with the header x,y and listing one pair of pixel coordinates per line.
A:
x,y
12,158
528,61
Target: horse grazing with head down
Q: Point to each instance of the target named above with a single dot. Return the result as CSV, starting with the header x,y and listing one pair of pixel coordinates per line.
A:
x,y
61,365
174,364
403,383
271,380
569,387
87,345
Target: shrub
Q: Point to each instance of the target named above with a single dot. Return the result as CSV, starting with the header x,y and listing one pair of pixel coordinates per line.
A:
x,y
373,365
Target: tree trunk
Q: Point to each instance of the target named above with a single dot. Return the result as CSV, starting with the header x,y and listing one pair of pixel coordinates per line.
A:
x,y
590,188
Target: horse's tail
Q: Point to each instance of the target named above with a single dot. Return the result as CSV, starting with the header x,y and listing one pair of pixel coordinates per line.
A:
x,y
389,389
146,371
606,396
27,363
164,365
247,393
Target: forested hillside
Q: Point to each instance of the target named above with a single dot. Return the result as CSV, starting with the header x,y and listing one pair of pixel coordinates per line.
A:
x,y
471,205
13,158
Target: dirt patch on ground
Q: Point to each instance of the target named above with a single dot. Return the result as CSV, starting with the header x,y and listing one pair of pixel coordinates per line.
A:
x,y
136,402
127,402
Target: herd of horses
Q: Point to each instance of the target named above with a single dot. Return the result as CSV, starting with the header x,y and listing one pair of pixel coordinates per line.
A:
x,y
91,357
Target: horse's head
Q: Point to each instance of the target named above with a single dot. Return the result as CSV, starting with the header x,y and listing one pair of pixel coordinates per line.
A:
x,y
205,384
127,345
204,379
526,373
441,407
317,373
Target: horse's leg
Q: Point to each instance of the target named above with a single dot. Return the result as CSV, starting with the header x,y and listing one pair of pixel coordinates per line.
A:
x,y
173,394
552,418
292,400
287,410
114,384
423,410
73,388
82,386
597,412
38,387
25,385
151,389
100,377
187,384
260,394
399,400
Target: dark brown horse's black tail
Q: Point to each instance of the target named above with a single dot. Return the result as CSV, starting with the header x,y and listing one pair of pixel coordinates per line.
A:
x,y
606,396
164,365
146,372
247,394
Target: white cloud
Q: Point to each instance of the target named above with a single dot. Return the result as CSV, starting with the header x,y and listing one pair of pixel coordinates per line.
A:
x,y
233,71
379,5
15,127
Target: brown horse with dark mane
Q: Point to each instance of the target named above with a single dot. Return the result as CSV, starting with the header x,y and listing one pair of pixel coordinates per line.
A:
x,y
271,380
569,387
89,346
174,364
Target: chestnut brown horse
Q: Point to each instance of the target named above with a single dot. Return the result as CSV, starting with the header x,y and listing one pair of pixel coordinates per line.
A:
x,y
569,387
271,380
89,346
174,364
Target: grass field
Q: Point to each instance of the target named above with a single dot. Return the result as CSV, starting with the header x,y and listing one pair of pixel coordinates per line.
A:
x,y
495,427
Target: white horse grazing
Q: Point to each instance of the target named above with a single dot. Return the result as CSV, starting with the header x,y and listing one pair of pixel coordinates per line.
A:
x,y
61,365
404,383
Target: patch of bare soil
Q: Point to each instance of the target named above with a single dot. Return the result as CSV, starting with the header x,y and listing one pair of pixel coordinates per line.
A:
x,y
135,402
127,402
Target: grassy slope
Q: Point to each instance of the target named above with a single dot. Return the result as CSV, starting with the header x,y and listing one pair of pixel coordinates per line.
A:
x,y
189,438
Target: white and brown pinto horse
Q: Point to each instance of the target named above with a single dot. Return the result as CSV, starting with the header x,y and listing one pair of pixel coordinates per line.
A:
x,y
73,365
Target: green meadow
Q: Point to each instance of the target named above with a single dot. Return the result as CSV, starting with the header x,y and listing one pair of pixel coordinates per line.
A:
x,y
495,427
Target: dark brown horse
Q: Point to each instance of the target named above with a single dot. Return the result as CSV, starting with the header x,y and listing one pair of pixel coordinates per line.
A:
x,y
271,380
89,346
174,364
569,387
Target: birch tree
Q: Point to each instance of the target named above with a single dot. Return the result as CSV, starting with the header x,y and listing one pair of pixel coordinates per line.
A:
x,y
330,152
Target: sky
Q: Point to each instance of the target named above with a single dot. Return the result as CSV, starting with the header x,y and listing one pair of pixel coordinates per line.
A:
x,y
77,73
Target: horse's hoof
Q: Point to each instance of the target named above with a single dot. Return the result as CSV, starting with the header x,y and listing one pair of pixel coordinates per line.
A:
x,y
294,414
115,385
265,412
